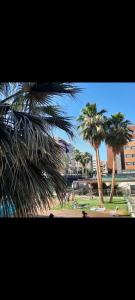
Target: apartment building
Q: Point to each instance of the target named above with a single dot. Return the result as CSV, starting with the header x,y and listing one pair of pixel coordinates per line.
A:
x,y
68,150
94,166
72,166
125,161
103,166
129,152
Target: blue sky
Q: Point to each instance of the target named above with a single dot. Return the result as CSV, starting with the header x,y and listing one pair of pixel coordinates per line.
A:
x,y
114,97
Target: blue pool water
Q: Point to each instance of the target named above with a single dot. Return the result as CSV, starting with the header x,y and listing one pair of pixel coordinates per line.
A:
x,y
10,209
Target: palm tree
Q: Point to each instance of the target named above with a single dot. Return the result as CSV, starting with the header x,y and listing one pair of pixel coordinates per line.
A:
x,y
83,163
30,158
85,159
66,164
88,158
118,135
77,157
92,129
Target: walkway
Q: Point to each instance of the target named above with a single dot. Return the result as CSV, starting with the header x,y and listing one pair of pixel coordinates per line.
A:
x,y
68,213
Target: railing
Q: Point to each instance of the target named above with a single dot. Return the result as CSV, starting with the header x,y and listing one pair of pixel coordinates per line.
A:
x,y
131,205
84,190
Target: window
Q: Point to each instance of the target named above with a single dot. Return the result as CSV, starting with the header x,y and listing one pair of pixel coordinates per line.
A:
x,y
129,147
132,140
130,163
129,155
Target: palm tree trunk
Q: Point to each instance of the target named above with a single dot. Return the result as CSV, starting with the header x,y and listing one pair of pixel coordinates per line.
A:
x,y
77,167
85,172
100,177
82,170
113,178
98,181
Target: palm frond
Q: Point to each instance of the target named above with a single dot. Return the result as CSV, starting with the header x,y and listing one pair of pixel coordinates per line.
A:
x,y
39,177
52,110
61,123
92,124
30,159
118,132
43,93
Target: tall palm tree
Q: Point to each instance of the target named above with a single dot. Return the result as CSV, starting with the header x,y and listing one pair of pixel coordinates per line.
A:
x,y
118,135
83,163
85,159
88,158
30,158
77,157
92,129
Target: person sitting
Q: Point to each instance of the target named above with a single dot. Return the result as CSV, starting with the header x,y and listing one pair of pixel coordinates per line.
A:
x,y
114,213
84,214
51,216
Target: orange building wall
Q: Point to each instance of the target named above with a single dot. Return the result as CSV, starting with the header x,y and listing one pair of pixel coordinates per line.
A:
x,y
125,151
130,151
110,159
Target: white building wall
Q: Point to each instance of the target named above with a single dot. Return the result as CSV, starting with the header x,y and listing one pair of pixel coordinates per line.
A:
x,y
103,165
94,163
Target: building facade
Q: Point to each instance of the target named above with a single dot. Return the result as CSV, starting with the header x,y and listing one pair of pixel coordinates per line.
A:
x,y
71,165
129,152
103,165
68,151
94,166
125,161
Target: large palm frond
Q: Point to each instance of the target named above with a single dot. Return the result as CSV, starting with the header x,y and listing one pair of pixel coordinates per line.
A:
x,y
30,173
35,98
30,159
54,117
41,93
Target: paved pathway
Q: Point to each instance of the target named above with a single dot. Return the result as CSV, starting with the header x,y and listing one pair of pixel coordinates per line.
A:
x,y
67,213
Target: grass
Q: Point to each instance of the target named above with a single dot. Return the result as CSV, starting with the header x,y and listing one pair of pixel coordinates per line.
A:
x,y
86,203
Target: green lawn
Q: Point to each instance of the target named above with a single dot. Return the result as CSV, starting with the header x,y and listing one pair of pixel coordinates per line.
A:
x,y
86,203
